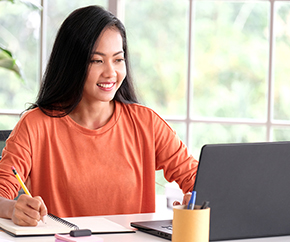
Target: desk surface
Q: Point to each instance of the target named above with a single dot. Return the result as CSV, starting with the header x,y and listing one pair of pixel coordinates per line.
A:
x,y
131,237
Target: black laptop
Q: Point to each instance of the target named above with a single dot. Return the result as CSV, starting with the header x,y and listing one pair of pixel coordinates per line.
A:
x,y
248,186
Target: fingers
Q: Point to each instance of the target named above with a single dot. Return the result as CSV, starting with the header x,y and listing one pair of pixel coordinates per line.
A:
x,y
186,198
176,203
42,208
28,211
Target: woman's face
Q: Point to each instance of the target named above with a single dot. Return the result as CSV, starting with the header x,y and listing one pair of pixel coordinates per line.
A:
x,y
107,69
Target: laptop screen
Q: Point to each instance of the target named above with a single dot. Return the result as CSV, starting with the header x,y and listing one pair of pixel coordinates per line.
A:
x,y
248,188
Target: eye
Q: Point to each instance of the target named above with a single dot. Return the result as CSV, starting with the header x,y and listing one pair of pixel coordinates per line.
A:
x,y
120,60
97,61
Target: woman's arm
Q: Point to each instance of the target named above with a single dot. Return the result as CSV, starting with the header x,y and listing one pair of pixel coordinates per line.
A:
x,y
6,207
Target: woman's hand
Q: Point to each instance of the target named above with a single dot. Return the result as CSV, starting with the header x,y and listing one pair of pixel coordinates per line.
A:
x,y
185,200
28,211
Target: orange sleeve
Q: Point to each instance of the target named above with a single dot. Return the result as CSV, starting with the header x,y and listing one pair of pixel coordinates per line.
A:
x,y
172,156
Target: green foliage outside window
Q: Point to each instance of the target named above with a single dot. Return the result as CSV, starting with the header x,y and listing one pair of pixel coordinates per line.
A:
x,y
231,56
7,59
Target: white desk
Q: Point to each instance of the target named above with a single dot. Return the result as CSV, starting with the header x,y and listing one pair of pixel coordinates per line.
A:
x,y
130,237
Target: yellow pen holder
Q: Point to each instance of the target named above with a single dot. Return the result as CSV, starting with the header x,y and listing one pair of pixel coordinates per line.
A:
x,y
190,225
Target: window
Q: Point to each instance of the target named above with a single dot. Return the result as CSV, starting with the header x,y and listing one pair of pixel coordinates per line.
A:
x,y
217,70
19,33
231,89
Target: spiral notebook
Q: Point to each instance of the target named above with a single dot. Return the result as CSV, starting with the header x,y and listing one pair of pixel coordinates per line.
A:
x,y
53,225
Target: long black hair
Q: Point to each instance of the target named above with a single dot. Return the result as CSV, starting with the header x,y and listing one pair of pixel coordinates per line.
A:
x,y
63,82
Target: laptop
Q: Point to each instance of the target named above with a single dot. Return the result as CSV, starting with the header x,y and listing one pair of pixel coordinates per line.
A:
x,y
248,186
160,228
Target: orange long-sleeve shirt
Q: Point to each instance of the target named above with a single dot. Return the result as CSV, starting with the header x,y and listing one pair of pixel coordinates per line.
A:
x,y
82,172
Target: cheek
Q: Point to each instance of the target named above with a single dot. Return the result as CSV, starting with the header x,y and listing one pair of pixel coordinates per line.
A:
x,y
122,74
92,76
89,82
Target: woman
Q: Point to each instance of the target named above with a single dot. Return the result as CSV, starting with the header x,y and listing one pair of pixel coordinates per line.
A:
x,y
86,147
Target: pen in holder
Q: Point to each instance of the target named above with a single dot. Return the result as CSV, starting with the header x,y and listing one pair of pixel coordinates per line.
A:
x,y
190,225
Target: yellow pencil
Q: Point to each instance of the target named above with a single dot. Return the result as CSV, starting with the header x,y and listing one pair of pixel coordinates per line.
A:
x,y
21,182
25,188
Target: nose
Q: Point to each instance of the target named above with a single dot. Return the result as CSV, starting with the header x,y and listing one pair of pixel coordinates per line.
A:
x,y
109,70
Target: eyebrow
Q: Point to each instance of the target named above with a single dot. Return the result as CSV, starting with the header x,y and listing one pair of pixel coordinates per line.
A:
x,y
102,54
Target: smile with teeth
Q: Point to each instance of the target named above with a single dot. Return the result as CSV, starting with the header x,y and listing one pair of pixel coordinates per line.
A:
x,y
106,85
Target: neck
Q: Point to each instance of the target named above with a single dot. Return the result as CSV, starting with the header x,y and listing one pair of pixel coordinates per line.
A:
x,y
93,116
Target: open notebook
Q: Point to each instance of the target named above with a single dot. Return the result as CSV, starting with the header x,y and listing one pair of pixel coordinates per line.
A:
x,y
97,225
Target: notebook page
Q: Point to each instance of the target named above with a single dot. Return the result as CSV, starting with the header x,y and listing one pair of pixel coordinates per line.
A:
x,y
50,227
98,224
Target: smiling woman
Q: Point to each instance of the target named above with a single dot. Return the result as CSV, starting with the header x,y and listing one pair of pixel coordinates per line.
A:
x,y
106,73
87,135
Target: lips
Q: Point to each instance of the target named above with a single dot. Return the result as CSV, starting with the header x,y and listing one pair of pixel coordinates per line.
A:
x,y
106,86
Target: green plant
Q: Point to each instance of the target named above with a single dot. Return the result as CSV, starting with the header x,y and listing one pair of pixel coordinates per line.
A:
x,y
7,60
